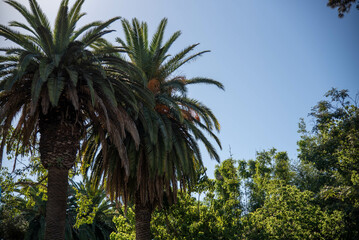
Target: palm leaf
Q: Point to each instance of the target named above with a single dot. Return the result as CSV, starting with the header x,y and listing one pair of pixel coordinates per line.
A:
x,y
18,38
94,34
61,29
55,86
206,81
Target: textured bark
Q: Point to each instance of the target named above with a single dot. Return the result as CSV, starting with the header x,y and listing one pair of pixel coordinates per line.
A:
x,y
143,214
56,203
59,139
59,142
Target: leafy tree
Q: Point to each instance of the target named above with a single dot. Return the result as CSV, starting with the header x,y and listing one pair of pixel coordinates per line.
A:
x,y
288,213
12,224
307,177
256,174
125,226
59,87
225,202
187,220
333,150
169,132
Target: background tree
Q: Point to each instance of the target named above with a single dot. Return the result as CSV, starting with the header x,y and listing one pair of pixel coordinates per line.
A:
x,y
227,199
288,213
12,223
256,174
333,150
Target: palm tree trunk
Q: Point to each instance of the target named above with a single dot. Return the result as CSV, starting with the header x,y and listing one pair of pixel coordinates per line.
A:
x,y
56,203
59,142
143,214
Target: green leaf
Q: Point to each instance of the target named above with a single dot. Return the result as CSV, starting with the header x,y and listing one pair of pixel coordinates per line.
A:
x,y
73,76
90,85
55,87
57,59
11,80
45,70
36,87
61,29
109,93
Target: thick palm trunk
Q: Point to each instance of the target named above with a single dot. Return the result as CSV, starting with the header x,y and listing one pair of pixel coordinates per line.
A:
x,y
56,203
143,214
58,148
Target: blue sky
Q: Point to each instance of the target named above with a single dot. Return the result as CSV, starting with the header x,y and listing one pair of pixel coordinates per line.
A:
x,y
276,59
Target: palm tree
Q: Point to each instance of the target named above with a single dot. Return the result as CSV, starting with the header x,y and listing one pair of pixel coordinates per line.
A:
x,y
52,83
169,132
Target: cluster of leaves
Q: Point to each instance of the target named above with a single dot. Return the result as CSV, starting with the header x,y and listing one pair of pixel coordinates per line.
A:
x,y
125,226
343,5
10,222
288,213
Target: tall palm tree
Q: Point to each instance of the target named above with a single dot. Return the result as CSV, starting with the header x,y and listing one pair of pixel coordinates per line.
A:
x,y
52,83
169,132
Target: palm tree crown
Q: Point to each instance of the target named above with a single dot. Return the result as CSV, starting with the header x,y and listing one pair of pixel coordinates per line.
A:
x,y
54,70
169,151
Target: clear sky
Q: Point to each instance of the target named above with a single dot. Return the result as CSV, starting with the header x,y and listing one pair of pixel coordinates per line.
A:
x,y
276,59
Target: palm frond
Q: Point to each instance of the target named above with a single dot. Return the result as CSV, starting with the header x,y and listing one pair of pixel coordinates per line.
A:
x,y
206,81
61,29
157,38
97,32
18,38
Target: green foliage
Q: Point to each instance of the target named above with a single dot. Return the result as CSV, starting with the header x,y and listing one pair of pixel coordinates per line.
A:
x,y
125,226
91,211
187,219
85,211
332,149
256,174
288,213
12,225
226,202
